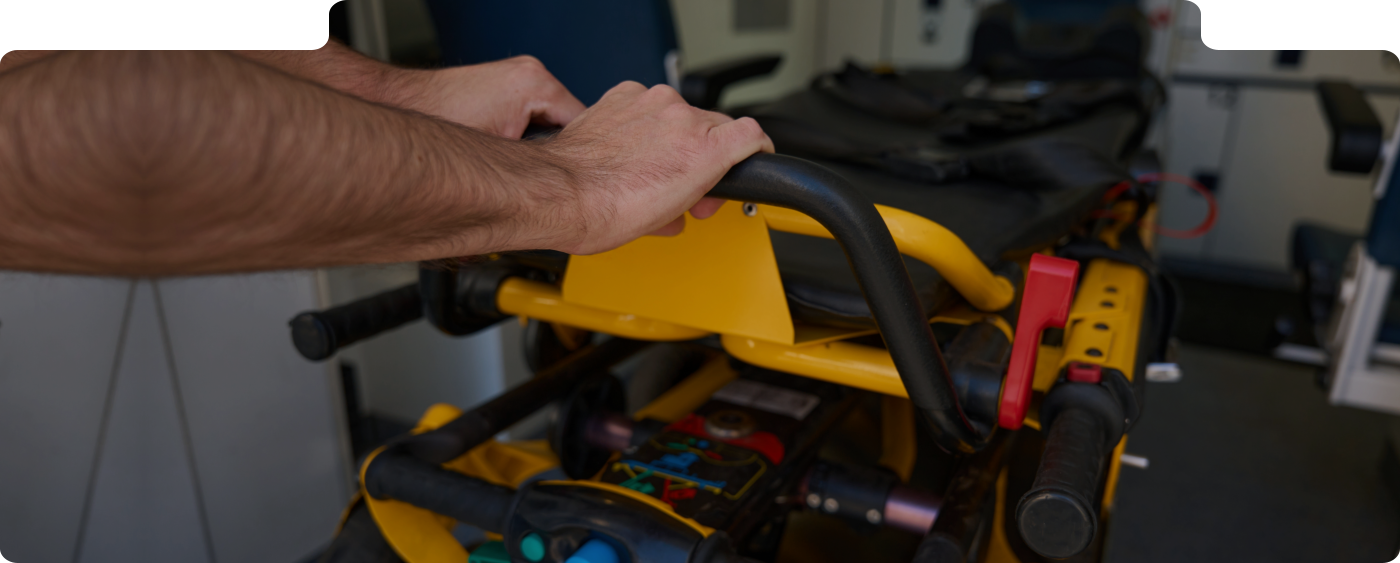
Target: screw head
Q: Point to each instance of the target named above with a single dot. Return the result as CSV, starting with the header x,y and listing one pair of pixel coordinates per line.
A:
x,y
873,516
814,500
830,505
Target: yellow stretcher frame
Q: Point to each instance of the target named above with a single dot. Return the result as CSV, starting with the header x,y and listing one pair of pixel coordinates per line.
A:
x,y
1104,326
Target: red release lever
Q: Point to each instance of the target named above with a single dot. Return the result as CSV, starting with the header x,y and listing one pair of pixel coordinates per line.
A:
x,y
1044,304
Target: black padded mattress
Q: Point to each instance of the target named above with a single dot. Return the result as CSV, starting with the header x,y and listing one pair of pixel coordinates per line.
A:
x,y
1016,194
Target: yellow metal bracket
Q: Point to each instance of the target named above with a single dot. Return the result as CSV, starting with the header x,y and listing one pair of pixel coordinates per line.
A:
x,y
720,274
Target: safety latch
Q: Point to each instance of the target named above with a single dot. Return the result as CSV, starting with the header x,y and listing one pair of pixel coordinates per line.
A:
x,y
1045,303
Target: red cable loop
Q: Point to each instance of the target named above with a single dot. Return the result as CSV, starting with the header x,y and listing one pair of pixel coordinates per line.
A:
x,y
1198,230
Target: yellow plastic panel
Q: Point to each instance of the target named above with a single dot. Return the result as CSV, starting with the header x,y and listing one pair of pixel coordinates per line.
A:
x,y
507,464
924,240
543,301
719,275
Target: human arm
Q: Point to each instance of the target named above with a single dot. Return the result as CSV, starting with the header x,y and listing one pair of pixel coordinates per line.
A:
x,y
501,97
156,163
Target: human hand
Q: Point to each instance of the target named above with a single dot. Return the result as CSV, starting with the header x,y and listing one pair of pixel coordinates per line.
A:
x,y
501,97
640,157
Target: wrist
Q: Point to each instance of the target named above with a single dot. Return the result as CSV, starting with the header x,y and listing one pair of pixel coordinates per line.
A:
x,y
549,210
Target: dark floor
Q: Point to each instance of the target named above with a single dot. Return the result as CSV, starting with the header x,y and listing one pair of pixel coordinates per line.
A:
x,y
1248,461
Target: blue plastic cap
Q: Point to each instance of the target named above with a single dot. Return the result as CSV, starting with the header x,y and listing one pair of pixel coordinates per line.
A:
x,y
594,551
532,547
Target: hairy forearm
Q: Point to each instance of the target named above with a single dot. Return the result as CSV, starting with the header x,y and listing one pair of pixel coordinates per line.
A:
x,y
342,68
158,163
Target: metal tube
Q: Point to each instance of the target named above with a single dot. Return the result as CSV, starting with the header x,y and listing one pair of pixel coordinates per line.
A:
x,y
609,431
911,509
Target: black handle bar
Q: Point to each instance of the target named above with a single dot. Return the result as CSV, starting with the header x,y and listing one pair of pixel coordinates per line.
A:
x,y
1058,516
318,334
812,189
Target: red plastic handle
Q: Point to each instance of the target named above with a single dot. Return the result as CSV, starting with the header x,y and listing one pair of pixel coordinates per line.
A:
x,y
1044,304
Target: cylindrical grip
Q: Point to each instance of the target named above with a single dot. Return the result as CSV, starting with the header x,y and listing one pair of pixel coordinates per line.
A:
x,y
424,485
318,334
1058,516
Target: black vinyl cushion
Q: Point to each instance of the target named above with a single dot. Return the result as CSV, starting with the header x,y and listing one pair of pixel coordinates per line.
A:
x,y
1018,194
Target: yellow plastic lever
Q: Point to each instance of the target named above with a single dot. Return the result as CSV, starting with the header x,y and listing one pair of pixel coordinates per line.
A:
x,y
927,242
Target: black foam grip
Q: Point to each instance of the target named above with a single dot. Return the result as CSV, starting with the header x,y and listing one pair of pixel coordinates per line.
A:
x,y
401,477
1058,516
1356,131
831,200
319,334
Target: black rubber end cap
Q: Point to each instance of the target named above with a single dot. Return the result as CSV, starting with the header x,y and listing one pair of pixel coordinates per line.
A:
x,y
313,339
1055,525
939,547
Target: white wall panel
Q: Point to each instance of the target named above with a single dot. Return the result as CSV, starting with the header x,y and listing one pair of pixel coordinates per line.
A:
x,y
266,423
58,344
145,506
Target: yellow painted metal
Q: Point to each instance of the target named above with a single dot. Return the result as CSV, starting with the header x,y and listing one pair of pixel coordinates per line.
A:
x,y
636,495
543,301
999,549
1124,214
808,335
899,445
1147,227
421,536
345,514
1047,367
689,394
1115,465
571,337
846,363
854,365
924,240
719,275
964,316
1106,319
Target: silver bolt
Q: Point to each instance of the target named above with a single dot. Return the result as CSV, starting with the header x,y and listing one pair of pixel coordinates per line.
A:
x,y
873,516
1131,460
830,505
814,500
750,209
1164,372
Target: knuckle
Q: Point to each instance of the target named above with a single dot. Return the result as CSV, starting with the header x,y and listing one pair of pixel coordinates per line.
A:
x,y
628,86
526,60
750,126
